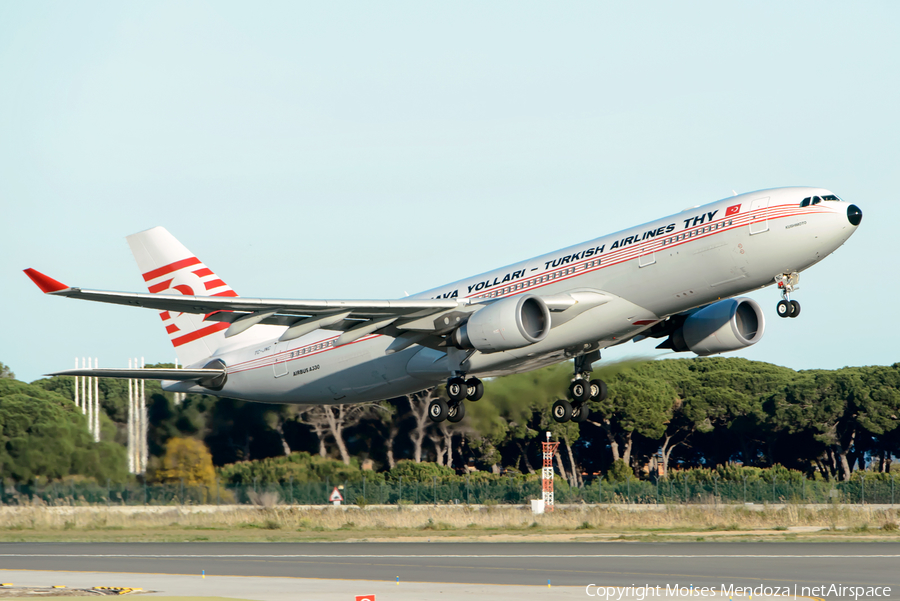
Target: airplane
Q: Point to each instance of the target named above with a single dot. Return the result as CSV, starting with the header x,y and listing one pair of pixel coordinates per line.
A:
x,y
677,278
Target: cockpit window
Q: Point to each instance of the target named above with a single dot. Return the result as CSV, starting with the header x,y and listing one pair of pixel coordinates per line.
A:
x,y
830,197
805,202
816,200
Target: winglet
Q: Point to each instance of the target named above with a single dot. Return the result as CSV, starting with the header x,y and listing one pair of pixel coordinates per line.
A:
x,y
45,283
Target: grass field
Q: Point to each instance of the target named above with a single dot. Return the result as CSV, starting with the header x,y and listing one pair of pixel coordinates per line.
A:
x,y
459,522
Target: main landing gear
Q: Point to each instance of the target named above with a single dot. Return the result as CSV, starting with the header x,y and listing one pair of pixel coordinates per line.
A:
x,y
787,283
580,391
458,389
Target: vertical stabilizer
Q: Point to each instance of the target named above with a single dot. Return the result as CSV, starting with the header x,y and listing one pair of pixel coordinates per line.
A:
x,y
170,268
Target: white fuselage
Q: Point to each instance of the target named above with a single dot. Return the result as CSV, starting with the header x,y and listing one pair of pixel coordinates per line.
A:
x,y
648,273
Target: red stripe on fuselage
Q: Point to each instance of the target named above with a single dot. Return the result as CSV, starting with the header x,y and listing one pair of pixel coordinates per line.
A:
x,y
205,271
161,271
623,255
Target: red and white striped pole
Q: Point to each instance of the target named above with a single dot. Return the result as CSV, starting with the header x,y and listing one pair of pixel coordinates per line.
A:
x,y
547,473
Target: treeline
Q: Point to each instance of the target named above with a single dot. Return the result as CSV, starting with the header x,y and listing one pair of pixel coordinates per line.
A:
x,y
660,416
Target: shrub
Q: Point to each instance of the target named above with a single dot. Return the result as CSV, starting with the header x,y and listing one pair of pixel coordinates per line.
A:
x,y
297,467
620,472
419,472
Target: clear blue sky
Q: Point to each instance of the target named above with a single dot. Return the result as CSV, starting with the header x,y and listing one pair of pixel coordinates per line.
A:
x,y
360,150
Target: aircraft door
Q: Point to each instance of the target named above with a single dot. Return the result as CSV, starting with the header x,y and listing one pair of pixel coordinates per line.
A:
x,y
759,210
280,365
648,254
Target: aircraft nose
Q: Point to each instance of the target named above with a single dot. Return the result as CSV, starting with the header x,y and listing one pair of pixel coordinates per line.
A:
x,y
854,215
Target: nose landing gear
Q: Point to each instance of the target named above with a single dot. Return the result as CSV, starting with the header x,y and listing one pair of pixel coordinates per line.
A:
x,y
787,283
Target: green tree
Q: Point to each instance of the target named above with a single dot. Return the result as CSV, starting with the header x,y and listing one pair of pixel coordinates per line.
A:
x,y
842,410
639,403
43,434
720,407
505,427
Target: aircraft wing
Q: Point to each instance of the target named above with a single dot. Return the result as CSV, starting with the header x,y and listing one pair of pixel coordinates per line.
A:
x,y
210,304
301,316
422,321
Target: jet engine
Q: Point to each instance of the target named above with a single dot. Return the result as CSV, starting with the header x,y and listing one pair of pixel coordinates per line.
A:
x,y
723,326
505,324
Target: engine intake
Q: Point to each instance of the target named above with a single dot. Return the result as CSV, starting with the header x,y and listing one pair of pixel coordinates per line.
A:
x,y
723,326
505,324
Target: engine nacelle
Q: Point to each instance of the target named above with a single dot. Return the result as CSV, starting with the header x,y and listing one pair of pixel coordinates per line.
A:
x,y
727,325
506,324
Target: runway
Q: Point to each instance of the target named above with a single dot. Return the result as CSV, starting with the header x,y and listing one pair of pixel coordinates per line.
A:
x,y
530,564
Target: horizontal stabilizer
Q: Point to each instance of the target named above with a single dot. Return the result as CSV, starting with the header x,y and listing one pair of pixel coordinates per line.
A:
x,y
145,374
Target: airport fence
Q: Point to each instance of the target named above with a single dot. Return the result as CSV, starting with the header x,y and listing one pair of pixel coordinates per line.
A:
x,y
460,490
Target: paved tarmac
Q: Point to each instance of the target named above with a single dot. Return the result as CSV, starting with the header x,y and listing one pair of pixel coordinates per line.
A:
x,y
524,564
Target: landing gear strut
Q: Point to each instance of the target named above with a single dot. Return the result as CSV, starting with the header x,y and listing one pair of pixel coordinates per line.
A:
x,y
787,283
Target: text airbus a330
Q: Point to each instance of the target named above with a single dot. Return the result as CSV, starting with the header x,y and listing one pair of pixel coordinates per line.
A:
x,y
662,279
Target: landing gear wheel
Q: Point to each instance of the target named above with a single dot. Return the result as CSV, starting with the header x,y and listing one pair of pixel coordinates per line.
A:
x,y
457,412
598,390
475,389
784,308
795,308
562,411
580,391
580,413
456,389
438,410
